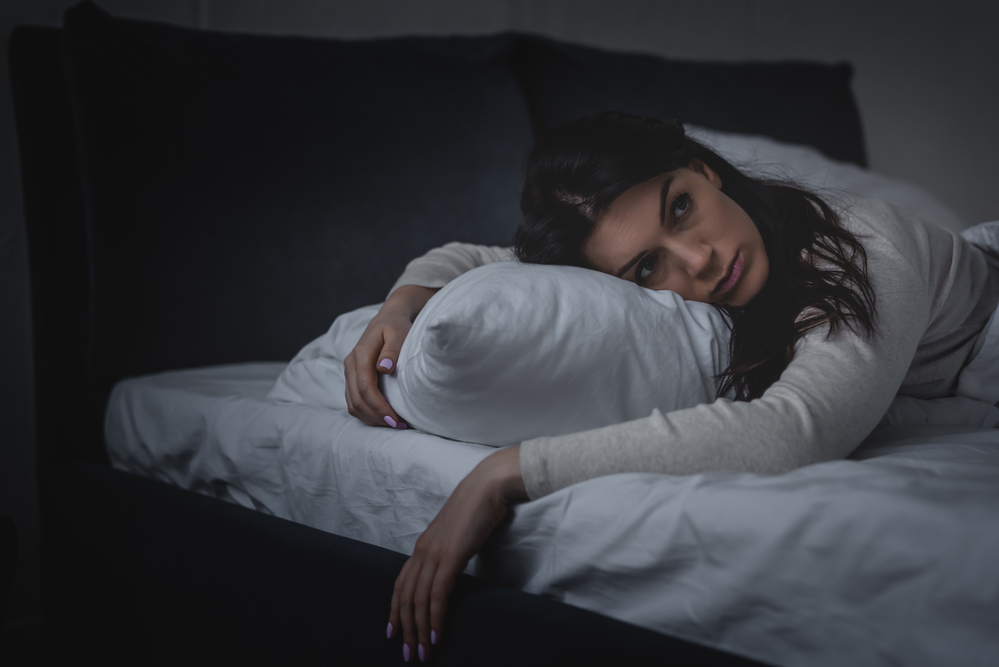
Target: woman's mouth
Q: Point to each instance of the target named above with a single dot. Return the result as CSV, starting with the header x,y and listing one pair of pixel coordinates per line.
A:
x,y
731,278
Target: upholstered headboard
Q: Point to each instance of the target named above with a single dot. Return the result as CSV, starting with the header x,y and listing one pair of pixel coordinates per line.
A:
x,y
197,198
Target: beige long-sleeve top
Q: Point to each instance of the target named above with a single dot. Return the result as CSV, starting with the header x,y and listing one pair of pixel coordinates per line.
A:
x,y
934,293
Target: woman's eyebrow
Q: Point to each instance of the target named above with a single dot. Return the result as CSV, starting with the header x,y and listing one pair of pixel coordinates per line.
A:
x,y
663,197
624,269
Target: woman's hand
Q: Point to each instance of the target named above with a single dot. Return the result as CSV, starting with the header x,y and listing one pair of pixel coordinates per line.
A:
x,y
475,508
378,350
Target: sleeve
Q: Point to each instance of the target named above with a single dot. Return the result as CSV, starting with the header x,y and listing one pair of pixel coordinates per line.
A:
x,y
442,265
830,397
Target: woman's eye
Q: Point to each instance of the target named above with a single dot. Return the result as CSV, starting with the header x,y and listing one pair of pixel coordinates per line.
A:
x,y
680,205
645,269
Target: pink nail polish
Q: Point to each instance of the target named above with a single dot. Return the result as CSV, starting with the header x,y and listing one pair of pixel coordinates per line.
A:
x,y
423,653
405,652
402,426
390,421
433,637
386,364
388,631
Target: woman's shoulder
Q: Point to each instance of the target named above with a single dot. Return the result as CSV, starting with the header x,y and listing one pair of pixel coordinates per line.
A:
x,y
907,255
901,250
858,213
882,227
880,217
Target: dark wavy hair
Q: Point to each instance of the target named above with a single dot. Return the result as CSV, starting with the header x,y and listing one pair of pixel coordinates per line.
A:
x,y
818,269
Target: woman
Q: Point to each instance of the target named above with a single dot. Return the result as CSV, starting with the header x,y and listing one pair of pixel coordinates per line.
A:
x,y
833,313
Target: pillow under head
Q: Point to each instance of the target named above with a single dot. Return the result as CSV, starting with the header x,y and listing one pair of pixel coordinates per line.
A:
x,y
512,351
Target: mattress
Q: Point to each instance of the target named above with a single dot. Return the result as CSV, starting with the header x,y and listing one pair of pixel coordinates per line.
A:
x,y
891,557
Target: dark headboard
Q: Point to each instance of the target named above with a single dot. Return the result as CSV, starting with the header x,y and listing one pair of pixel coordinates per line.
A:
x,y
196,198
68,415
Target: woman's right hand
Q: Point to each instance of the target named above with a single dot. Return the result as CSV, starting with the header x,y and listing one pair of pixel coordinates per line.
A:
x,y
378,351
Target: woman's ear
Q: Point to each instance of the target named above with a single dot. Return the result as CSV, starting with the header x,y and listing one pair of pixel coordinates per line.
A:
x,y
707,172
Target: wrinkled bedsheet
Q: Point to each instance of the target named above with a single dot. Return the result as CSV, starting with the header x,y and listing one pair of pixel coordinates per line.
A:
x,y
889,558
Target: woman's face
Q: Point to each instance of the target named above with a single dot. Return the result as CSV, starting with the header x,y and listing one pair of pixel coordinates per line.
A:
x,y
680,232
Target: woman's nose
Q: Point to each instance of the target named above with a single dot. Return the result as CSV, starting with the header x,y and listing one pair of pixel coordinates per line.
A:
x,y
696,257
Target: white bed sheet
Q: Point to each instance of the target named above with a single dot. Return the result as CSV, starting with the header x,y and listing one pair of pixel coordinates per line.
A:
x,y
213,430
890,558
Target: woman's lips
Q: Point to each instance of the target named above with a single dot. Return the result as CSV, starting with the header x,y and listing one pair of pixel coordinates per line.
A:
x,y
732,278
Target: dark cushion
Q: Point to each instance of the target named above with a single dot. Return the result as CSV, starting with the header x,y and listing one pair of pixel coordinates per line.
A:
x,y
242,191
807,103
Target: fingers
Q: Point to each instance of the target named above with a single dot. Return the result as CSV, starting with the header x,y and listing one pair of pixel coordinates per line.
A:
x,y
372,400
394,616
407,619
388,357
421,608
420,594
440,591
364,400
355,404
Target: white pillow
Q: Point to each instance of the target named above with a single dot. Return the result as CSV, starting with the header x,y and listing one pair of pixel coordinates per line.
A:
x,y
511,351
763,156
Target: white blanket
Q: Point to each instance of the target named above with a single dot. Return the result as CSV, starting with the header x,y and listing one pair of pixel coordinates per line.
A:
x,y
892,558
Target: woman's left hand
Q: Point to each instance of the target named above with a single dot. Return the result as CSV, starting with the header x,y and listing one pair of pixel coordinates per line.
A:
x,y
466,520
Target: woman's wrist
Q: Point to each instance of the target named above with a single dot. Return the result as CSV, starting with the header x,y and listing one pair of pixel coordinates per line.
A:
x,y
504,474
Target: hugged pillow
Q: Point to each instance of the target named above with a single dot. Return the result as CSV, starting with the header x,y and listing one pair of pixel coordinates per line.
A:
x,y
511,351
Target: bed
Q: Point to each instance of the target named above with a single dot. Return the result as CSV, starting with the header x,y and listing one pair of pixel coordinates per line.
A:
x,y
199,208
887,557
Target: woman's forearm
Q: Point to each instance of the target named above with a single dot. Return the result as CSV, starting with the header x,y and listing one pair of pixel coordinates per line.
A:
x,y
409,300
441,265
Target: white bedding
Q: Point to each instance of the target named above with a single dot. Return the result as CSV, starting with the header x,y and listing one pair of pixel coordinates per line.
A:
x,y
890,558
213,430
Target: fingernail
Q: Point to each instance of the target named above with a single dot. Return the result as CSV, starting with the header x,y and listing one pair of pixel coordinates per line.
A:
x,y
422,652
386,364
402,426
433,637
390,421
405,652
388,631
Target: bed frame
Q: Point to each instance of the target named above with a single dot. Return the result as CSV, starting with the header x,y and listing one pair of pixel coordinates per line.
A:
x,y
136,571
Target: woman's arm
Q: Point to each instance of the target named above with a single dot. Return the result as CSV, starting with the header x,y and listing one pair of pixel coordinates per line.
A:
x,y
379,346
442,265
826,402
